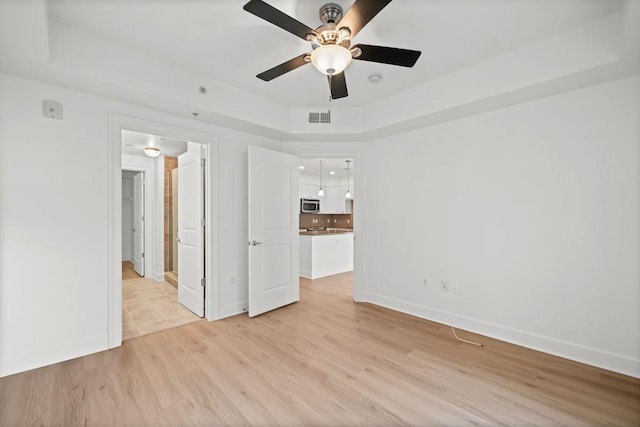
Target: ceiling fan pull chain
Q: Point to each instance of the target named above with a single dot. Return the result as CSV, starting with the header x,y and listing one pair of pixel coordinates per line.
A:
x,y
330,99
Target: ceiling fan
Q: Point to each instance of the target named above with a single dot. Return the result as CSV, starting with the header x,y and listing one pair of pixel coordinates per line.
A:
x,y
331,42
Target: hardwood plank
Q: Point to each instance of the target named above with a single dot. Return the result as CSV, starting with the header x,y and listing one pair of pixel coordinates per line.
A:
x,y
322,361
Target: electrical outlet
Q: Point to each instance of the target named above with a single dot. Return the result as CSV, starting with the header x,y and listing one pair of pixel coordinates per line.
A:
x,y
425,282
232,280
454,287
444,286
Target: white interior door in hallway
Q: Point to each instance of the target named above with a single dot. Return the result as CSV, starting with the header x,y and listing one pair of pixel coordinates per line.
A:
x,y
273,230
138,223
127,215
191,221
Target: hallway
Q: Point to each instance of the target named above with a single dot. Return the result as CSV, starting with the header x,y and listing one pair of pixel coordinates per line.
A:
x,y
149,306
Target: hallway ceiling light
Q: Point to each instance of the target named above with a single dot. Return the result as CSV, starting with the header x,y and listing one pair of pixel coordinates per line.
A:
x,y
152,151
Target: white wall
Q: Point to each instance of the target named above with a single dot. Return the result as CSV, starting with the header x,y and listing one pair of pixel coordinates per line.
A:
x,y
127,217
54,226
533,210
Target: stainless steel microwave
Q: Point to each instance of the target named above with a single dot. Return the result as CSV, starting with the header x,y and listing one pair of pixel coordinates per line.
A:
x,y
309,206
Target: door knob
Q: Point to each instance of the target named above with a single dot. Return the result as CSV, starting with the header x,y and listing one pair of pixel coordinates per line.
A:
x,y
254,243
178,240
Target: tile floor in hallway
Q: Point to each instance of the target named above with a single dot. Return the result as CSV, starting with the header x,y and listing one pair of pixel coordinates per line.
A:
x,y
150,306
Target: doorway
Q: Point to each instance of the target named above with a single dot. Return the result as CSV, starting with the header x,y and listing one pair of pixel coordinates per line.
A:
x,y
326,235
117,124
274,235
152,193
133,230
171,220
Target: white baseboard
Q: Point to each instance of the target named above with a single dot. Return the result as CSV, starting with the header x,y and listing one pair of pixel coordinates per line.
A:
x,y
58,354
305,273
233,309
157,276
568,350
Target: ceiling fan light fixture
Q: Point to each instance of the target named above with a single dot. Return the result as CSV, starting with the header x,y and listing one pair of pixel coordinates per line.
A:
x,y
331,59
152,151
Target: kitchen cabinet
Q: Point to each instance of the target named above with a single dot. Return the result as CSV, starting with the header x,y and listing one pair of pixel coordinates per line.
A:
x,y
329,203
309,191
343,202
325,255
334,200
344,188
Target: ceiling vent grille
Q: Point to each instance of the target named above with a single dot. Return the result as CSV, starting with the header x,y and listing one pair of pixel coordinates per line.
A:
x,y
317,117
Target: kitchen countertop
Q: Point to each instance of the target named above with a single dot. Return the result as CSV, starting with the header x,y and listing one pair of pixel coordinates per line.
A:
x,y
326,232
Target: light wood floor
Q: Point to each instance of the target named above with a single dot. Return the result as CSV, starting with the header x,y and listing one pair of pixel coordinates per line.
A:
x,y
150,306
128,272
322,361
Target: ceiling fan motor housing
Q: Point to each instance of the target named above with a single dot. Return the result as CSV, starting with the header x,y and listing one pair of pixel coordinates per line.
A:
x,y
328,33
330,13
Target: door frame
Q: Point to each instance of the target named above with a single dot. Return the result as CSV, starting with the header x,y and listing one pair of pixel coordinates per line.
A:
x,y
358,217
149,216
118,123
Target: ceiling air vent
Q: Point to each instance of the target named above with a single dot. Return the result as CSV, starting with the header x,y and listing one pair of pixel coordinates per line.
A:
x,y
320,117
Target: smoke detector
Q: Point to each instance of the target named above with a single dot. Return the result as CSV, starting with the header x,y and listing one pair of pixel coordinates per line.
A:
x,y
375,78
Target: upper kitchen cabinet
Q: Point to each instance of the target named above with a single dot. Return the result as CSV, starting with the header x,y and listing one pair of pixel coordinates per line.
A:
x,y
343,191
309,191
334,200
328,204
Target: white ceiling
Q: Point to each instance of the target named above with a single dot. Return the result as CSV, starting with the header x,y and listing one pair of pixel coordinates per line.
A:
x,y
312,167
133,143
477,56
221,41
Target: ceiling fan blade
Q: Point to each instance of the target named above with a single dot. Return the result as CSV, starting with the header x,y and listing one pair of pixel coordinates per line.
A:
x,y
338,86
387,55
278,18
360,13
283,68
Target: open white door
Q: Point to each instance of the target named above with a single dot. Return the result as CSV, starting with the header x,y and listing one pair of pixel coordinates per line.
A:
x,y
191,229
273,230
138,223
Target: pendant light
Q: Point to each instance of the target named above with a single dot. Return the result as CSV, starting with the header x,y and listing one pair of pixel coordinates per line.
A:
x,y
321,190
348,195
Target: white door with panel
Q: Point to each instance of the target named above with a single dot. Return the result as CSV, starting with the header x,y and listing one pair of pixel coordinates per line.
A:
x,y
138,223
191,274
273,230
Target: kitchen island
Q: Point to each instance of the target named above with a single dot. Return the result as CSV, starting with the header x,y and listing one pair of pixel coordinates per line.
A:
x,y
325,252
